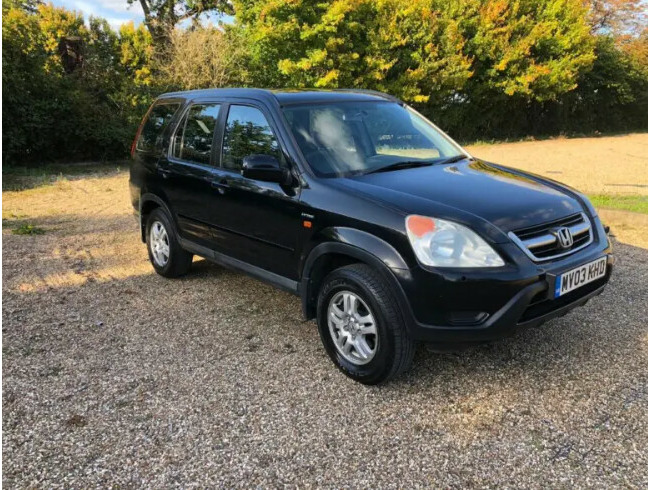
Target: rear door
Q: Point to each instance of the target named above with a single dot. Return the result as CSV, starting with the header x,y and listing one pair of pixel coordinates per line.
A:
x,y
188,170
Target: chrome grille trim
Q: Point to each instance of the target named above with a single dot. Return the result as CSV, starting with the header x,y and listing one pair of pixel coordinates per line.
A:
x,y
544,238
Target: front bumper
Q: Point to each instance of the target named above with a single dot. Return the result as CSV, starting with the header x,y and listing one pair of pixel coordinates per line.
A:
x,y
465,307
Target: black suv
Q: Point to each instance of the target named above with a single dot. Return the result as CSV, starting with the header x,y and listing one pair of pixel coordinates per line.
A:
x,y
387,229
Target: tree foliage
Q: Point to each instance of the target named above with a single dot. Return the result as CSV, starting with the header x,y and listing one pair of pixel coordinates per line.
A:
x,y
74,88
408,49
55,108
468,64
533,49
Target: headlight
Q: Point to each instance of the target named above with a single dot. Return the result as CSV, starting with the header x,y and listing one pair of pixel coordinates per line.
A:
x,y
442,243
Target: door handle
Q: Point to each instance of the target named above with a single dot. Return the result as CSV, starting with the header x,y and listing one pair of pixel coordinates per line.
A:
x,y
165,173
221,185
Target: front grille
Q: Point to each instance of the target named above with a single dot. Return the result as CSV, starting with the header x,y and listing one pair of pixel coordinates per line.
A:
x,y
543,242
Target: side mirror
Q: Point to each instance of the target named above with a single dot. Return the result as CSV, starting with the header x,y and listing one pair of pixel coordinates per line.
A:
x,y
265,168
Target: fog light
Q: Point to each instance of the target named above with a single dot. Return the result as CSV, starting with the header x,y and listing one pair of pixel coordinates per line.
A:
x,y
467,318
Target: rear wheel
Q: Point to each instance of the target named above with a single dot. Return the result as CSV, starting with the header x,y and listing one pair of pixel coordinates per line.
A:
x,y
361,326
165,253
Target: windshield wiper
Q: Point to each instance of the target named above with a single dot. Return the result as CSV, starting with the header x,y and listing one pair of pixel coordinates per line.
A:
x,y
454,159
400,166
417,163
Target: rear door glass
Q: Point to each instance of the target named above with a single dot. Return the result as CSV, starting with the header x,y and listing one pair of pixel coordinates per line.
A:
x,y
159,118
193,140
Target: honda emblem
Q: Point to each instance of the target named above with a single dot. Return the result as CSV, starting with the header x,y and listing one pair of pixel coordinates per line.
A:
x,y
564,237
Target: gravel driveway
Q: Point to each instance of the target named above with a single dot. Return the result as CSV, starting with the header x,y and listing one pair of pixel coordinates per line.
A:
x,y
115,376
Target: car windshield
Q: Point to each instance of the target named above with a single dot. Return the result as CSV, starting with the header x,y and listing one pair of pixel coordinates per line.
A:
x,y
348,138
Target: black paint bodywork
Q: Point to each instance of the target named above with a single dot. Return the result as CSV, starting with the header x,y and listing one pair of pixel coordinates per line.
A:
x,y
257,227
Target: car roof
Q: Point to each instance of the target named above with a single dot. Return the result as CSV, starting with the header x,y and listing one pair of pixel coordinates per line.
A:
x,y
286,96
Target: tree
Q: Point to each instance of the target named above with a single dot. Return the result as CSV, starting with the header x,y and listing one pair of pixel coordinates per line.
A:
x,y
532,49
612,96
30,6
202,58
480,68
636,47
406,48
162,16
58,24
455,59
137,53
23,82
422,44
626,21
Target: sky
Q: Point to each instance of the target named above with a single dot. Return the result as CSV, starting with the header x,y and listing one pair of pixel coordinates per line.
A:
x,y
116,12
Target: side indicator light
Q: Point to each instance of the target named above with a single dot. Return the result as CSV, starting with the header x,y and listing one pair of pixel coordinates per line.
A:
x,y
306,224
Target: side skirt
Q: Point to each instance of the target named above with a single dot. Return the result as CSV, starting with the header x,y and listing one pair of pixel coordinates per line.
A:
x,y
263,275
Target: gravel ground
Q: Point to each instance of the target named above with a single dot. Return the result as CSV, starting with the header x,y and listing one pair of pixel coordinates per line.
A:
x,y
115,376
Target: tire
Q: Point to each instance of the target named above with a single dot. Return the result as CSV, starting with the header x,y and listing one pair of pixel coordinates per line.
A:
x,y
387,353
178,261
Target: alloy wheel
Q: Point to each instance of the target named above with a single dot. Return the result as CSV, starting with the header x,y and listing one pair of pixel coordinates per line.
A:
x,y
159,243
352,327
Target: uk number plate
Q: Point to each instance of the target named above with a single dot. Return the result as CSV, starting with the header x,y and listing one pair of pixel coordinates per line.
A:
x,y
580,276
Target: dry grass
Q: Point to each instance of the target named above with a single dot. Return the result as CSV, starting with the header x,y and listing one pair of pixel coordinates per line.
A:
x,y
607,165
90,234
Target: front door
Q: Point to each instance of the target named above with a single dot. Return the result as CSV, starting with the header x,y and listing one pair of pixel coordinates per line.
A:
x,y
257,222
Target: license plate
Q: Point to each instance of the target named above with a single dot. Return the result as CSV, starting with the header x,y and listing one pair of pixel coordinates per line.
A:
x,y
580,276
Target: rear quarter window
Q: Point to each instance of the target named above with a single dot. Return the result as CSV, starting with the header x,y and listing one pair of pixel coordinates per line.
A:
x,y
158,119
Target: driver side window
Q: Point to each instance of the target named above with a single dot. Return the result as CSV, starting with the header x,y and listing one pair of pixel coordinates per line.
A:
x,y
247,132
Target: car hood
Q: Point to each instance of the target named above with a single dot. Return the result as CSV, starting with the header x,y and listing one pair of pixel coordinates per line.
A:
x,y
506,198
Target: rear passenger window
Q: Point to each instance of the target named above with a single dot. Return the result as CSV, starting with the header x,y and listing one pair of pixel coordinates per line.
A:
x,y
193,140
159,118
247,132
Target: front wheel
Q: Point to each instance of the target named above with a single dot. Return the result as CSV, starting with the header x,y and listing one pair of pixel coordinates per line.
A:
x,y
361,326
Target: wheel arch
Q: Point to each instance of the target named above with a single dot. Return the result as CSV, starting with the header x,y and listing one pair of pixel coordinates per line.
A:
x,y
344,246
149,202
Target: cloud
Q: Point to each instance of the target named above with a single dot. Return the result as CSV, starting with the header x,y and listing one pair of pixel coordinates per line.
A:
x,y
121,6
116,12
116,23
85,7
